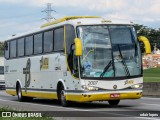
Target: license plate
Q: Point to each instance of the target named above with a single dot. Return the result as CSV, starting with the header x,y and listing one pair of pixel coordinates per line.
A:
x,y
115,95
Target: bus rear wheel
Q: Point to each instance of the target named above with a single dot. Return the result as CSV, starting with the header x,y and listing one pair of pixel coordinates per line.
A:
x,y
22,98
113,102
19,94
62,97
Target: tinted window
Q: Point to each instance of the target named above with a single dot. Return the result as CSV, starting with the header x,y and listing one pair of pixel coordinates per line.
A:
x,y
29,45
70,36
13,49
38,43
1,70
72,59
48,41
20,47
121,34
6,45
59,39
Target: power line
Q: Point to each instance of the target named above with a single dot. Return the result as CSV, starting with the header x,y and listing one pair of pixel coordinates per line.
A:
x,y
48,11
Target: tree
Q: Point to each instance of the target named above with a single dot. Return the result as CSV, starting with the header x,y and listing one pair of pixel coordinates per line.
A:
x,y
152,34
1,48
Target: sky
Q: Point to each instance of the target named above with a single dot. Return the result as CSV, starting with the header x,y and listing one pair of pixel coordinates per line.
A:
x,y
18,16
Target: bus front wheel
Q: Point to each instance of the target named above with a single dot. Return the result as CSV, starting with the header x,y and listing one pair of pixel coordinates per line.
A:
x,y
113,102
62,97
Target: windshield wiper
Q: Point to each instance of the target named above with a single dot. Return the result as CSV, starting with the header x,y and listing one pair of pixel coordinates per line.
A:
x,y
106,68
123,62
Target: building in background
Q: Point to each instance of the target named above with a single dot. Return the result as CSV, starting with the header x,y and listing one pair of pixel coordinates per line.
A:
x,y
152,60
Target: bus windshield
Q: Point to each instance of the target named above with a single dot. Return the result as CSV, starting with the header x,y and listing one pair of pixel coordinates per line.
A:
x,y
109,51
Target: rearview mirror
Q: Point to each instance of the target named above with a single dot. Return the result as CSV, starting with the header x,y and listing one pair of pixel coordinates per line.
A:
x,y
78,47
146,44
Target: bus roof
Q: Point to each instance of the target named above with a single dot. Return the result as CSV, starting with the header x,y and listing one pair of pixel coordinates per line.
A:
x,y
84,20
75,21
66,19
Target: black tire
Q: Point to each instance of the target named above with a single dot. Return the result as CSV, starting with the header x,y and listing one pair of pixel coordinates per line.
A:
x,y
20,97
28,99
62,97
19,94
113,102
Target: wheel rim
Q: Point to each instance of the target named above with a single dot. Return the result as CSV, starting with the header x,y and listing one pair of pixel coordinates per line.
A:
x,y
63,98
19,93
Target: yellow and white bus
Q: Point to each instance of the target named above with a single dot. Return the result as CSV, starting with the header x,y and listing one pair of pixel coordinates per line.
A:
x,y
79,58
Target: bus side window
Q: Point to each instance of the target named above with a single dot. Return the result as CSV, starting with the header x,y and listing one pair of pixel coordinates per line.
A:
x,y
70,49
6,46
59,39
20,43
73,61
38,43
13,49
29,45
75,65
48,41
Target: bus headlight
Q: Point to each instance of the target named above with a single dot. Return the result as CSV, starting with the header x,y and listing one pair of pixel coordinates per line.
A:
x,y
90,88
137,86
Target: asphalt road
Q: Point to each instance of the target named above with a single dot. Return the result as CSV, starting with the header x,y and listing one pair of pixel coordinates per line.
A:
x,y
121,112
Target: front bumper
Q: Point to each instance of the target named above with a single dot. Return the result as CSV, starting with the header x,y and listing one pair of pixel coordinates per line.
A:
x,y
102,96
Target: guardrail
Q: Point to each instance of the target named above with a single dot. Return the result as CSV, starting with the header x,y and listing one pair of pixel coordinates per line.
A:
x,y
151,89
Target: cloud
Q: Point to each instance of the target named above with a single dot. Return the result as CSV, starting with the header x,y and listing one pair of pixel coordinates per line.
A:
x,y
139,11
11,1
12,27
134,9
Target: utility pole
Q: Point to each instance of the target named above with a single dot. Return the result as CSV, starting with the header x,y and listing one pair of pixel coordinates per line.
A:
x,y
48,11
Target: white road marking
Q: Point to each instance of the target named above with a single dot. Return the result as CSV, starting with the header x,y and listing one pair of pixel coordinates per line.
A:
x,y
38,104
150,104
150,98
80,110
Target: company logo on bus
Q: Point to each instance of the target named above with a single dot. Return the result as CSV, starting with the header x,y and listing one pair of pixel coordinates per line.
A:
x,y
128,82
44,63
115,86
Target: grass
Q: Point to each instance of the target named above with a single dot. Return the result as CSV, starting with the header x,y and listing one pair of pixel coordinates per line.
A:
x,y
19,118
151,75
